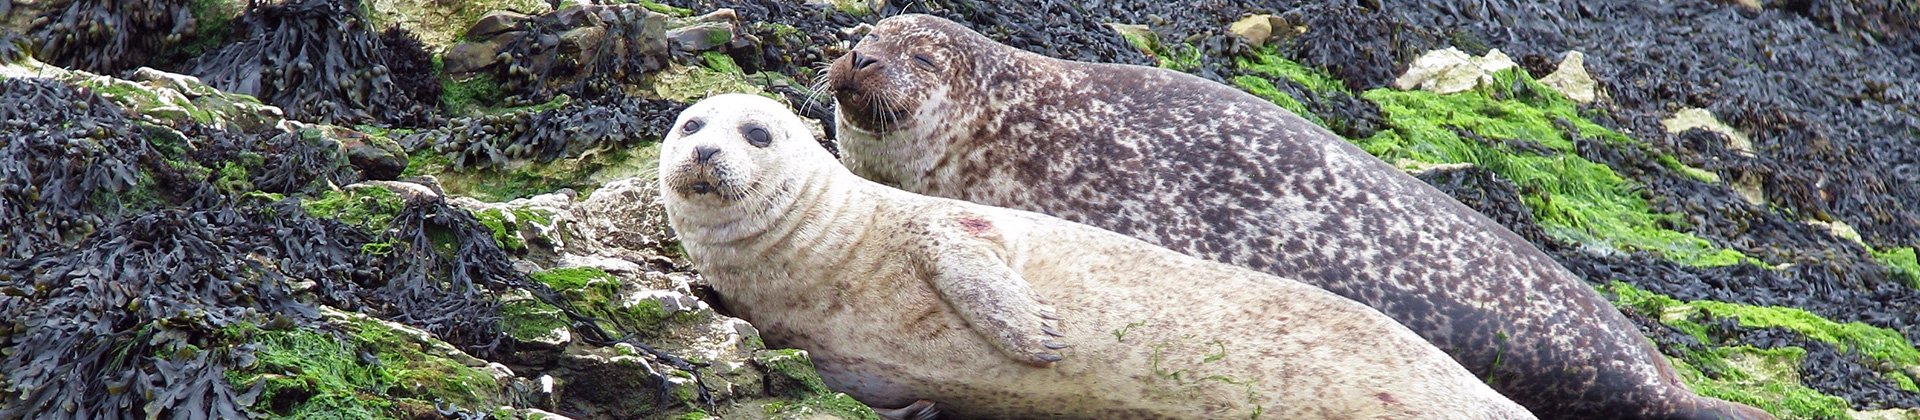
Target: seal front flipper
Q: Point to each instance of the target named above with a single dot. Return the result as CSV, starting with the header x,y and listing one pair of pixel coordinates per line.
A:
x,y
961,260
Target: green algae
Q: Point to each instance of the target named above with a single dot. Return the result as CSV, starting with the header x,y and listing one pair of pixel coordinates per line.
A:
x,y
1764,378
665,9
371,372
530,320
595,293
1902,381
371,208
525,179
792,367
505,231
466,96
1266,90
1269,62
1574,199
313,375
1880,344
832,403
1902,263
717,74
1177,57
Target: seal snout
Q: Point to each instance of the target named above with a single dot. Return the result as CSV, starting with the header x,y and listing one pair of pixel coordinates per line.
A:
x,y
704,154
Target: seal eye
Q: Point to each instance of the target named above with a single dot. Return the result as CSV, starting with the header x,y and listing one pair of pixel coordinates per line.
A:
x,y
923,61
759,137
692,126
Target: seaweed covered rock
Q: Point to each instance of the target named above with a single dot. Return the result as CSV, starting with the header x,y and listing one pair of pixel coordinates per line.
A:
x,y
621,327
46,200
320,61
584,50
108,36
574,127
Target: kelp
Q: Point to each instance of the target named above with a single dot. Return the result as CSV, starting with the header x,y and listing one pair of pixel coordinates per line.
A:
x,y
71,164
318,60
613,120
110,36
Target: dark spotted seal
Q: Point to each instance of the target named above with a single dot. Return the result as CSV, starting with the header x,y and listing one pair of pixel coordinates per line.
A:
x,y
997,313
934,108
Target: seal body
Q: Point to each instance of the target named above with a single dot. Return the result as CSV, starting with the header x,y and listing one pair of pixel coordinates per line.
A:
x,y
934,108
998,313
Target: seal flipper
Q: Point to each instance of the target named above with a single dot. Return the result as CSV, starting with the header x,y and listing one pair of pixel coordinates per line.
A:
x,y
978,283
919,410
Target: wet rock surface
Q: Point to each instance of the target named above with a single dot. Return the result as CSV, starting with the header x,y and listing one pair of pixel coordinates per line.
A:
x,y
463,190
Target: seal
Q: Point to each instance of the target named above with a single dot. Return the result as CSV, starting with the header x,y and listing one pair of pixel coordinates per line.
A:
x,y
996,313
932,107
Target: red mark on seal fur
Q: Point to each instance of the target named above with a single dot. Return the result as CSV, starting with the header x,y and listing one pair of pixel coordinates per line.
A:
x,y
975,225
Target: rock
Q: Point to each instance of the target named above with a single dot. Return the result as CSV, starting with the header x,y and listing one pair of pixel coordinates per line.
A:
x,y
409,191
1450,70
495,23
439,24
1255,29
624,219
1839,229
538,330
1704,119
1571,79
377,157
702,37
469,57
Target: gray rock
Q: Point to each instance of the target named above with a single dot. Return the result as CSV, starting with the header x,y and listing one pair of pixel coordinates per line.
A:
x,y
495,23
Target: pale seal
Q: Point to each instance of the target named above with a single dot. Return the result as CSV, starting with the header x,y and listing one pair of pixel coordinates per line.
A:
x,y
934,108
997,313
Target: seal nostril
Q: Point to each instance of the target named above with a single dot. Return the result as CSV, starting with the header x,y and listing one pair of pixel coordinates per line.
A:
x,y
861,62
704,154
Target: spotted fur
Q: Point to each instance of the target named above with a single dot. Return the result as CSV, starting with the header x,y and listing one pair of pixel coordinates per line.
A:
x,y
1211,171
997,313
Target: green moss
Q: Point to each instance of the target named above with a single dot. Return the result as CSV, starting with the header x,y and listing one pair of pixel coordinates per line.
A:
x,y
793,366
720,62
1902,263
505,231
834,404
370,208
666,9
233,178
419,375
1574,199
529,320
213,22
574,279
582,174
468,96
314,375
537,216
595,293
